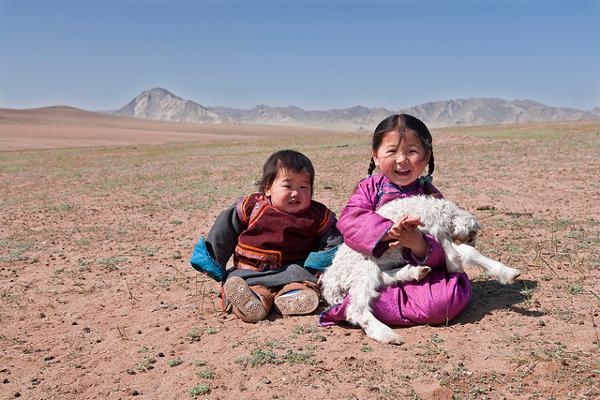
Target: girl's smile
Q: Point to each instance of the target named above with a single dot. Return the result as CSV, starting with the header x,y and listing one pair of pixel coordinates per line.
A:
x,y
401,157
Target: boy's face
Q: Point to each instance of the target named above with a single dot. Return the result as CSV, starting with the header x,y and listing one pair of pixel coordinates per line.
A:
x,y
401,158
290,191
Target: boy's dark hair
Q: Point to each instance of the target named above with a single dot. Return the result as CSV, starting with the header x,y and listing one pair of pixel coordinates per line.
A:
x,y
286,159
400,123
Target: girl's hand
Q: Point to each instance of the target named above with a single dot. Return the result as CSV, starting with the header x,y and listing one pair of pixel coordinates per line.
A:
x,y
406,233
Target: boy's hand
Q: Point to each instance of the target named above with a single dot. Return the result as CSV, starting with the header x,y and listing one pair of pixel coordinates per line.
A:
x,y
406,233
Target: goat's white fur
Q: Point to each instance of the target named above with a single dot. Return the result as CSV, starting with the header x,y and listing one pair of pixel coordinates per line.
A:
x,y
361,276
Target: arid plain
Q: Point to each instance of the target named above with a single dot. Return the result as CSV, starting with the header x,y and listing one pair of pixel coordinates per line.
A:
x,y
98,217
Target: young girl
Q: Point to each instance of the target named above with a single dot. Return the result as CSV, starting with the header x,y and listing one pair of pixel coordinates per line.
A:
x,y
271,234
401,149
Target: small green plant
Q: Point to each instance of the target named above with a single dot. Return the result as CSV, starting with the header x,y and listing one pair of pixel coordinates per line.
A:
x,y
177,255
16,250
436,339
84,263
514,249
145,364
176,222
143,349
366,349
211,331
299,357
575,289
63,207
298,329
199,390
597,369
150,251
175,362
527,292
113,262
259,357
275,345
206,374
194,334
303,329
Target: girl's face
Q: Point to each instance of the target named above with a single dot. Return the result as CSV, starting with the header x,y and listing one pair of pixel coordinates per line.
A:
x,y
290,191
401,158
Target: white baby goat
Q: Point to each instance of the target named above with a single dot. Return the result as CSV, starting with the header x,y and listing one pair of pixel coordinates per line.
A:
x,y
361,276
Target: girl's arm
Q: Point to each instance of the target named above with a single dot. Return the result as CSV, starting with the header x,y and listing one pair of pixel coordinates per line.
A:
x,y
363,229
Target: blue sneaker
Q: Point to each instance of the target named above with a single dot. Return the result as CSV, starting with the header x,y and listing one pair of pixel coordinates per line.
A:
x,y
202,261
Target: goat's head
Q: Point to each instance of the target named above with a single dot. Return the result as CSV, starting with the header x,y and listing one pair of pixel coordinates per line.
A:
x,y
464,228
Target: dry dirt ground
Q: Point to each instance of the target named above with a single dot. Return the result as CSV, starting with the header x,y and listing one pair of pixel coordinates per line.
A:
x,y
97,299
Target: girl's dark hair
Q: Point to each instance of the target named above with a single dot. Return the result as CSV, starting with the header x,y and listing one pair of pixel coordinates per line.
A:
x,y
400,123
286,159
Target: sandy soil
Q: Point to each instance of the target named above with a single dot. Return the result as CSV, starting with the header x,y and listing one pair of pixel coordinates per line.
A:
x,y
54,127
97,299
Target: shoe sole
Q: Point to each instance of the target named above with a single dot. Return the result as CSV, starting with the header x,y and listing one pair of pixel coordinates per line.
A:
x,y
302,302
241,296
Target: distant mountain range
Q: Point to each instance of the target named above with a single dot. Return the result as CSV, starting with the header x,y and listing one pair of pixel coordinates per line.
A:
x,y
163,105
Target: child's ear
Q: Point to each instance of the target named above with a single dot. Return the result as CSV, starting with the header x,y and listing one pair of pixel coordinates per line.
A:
x,y
268,191
375,159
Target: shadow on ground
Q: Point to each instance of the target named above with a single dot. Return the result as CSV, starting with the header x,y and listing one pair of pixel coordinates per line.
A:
x,y
491,295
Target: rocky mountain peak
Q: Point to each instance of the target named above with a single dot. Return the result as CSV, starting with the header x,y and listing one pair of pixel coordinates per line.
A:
x,y
159,103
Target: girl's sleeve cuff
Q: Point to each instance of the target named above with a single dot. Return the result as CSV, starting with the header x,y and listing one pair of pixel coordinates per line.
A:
x,y
414,260
381,246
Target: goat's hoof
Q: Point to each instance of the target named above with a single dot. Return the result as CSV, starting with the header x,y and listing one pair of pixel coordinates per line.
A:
x,y
508,275
423,272
386,336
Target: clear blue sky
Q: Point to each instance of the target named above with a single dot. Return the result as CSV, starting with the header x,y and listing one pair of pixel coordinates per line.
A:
x,y
314,54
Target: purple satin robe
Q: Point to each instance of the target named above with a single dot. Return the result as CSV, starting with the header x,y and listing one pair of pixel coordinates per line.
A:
x,y
436,299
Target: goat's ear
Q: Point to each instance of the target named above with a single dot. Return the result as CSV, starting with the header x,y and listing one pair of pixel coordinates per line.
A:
x,y
451,226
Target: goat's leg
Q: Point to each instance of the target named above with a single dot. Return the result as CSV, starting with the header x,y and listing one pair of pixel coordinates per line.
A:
x,y
454,263
359,311
500,272
407,273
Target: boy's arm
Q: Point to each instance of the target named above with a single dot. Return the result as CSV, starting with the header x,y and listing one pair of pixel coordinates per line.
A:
x,y
328,243
330,238
211,254
222,237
